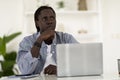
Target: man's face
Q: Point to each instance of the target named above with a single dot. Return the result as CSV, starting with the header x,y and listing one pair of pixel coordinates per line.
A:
x,y
46,20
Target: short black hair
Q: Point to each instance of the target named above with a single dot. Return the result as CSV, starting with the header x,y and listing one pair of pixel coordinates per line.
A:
x,y
38,12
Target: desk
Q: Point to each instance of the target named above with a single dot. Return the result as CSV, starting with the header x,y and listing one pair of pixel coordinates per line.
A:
x,y
52,77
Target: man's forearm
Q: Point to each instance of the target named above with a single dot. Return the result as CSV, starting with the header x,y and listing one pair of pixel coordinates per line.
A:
x,y
36,48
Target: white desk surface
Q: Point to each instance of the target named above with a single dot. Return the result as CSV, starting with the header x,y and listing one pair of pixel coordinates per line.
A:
x,y
53,77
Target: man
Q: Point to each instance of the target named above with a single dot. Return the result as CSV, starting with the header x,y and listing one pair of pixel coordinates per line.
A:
x,y
34,49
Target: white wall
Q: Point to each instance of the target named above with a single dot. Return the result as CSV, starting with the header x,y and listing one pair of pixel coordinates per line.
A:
x,y
11,17
111,34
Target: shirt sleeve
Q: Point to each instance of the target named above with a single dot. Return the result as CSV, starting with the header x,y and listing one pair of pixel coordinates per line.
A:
x,y
25,61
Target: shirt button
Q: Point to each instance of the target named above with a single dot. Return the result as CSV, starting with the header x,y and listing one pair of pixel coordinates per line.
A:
x,y
54,44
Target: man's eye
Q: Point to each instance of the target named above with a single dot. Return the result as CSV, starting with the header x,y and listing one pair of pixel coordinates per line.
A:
x,y
44,19
52,18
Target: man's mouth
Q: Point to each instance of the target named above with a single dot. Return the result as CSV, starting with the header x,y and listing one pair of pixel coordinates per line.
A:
x,y
51,27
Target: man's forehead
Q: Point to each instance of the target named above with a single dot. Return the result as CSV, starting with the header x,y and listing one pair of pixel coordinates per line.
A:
x,y
46,12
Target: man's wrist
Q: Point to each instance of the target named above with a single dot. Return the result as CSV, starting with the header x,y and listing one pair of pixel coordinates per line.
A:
x,y
37,44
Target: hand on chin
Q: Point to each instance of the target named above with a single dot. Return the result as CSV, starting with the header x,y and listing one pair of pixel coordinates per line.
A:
x,y
48,41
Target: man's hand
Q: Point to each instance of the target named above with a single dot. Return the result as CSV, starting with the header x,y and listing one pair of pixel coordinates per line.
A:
x,y
47,35
50,70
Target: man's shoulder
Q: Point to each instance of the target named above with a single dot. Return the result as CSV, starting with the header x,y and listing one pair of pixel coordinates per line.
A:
x,y
30,37
62,33
63,37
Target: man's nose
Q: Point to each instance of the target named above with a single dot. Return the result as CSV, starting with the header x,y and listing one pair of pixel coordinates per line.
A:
x,y
49,21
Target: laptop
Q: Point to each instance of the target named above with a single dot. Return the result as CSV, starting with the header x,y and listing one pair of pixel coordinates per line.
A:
x,y
84,59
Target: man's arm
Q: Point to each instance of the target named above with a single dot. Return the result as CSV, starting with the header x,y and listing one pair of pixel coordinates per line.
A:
x,y
25,61
46,35
36,48
27,58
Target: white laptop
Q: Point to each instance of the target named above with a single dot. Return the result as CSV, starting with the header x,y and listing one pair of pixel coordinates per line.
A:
x,y
79,59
